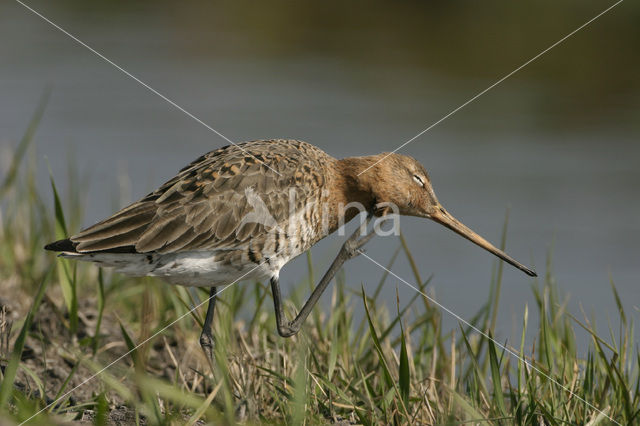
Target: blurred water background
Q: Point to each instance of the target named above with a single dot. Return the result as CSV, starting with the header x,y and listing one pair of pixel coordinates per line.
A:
x,y
557,143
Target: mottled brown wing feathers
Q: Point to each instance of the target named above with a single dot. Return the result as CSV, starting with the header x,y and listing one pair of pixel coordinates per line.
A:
x,y
121,230
204,205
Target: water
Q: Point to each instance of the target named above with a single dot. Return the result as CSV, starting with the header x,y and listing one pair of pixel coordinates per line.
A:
x,y
557,143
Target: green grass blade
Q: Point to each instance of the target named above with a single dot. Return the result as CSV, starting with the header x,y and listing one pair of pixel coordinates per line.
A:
x,y
404,373
300,388
385,366
474,362
545,334
412,261
66,381
471,412
6,388
376,342
61,224
498,286
616,296
66,273
96,334
24,143
525,321
206,405
131,347
498,396
102,410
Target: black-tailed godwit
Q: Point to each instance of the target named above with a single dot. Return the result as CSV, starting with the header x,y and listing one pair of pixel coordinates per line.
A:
x,y
243,211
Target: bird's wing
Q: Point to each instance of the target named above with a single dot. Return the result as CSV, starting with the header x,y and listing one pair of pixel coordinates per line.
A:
x,y
220,200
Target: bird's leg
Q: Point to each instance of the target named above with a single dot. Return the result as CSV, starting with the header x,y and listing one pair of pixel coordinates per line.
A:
x,y
349,250
206,337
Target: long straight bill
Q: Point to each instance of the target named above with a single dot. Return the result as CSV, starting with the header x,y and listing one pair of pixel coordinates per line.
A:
x,y
444,218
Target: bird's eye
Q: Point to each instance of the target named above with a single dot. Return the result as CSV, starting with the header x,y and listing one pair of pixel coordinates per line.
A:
x,y
419,180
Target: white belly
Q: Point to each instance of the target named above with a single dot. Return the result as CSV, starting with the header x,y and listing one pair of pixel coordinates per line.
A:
x,y
193,268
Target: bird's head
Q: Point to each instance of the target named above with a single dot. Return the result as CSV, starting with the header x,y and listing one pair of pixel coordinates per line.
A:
x,y
400,180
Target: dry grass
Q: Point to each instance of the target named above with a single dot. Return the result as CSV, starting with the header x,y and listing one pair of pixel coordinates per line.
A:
x,y
62,323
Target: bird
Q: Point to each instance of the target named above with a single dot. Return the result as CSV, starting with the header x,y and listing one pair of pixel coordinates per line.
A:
x,y
241,212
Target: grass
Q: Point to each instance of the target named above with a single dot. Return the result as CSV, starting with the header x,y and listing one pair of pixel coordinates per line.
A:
x,y
63,323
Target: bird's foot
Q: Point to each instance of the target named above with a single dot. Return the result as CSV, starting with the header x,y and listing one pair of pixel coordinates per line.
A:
x,y
207,343
287,330
352,247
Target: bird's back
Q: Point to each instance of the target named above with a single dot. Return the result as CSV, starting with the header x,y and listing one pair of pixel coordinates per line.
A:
x,y
250,201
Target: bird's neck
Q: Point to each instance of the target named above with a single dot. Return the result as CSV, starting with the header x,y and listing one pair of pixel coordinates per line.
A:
x,y
355,182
